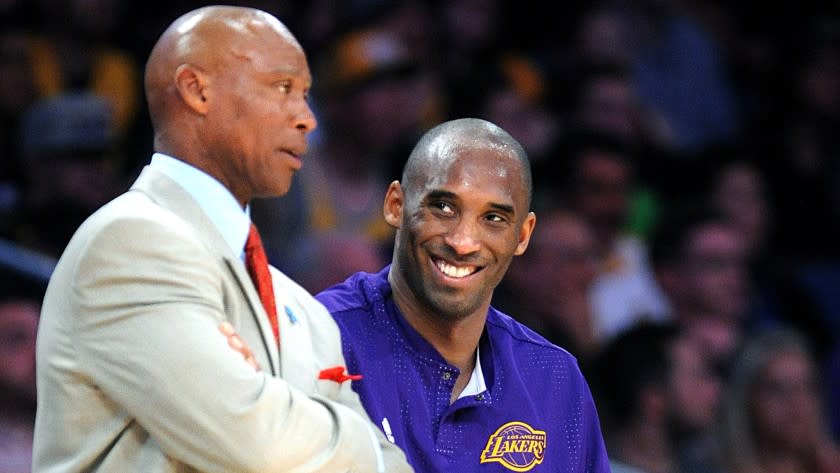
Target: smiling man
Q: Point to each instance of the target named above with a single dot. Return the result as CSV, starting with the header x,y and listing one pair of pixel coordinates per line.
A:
x,y
458,385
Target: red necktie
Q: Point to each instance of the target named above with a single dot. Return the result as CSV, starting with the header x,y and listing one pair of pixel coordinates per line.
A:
x,y
257,264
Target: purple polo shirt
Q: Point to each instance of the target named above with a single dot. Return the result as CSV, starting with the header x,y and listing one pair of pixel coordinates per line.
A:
x,y
536,414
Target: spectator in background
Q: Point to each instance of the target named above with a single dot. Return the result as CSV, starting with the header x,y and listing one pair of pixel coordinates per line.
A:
x,y
69,168
599,178
372,99
326,258
602,35
322,22
672,62
736,187
413,21
594,74
801,146
469,44
17,92
548,287
514,96
678,70
700,263
20,303
659,400
773,417
73,50
602,100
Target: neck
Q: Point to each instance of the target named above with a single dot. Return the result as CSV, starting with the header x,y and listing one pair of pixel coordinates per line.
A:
x,y
455,340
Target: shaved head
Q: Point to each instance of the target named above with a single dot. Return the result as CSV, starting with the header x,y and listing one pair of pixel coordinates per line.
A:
x,y
461,213
207,38
442,145
227,89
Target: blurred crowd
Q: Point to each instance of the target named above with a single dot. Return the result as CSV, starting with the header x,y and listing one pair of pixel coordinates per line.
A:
x,y
687,190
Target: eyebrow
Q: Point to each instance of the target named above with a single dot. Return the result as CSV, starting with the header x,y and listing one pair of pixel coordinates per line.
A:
x,y
285,69
503,207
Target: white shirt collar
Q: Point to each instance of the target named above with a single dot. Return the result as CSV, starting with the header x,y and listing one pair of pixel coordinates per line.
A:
x,y
476,384
214,199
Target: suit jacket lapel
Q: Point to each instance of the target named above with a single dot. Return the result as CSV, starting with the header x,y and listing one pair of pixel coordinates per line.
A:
x,y
297,369
168,194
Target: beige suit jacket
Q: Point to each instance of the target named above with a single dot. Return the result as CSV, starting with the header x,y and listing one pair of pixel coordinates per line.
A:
x,y
134,376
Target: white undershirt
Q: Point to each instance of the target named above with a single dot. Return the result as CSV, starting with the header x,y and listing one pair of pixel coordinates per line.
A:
x,y
217,202
476,383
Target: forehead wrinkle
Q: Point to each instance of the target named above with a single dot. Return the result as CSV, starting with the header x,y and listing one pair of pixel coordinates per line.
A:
x,y
446,157
250,30
444,151
433,156
231,29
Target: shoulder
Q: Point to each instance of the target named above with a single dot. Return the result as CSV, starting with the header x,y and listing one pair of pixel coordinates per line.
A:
x,y
135,209
356,293
517,336
300,305
288,287
134,250
134,224
526,349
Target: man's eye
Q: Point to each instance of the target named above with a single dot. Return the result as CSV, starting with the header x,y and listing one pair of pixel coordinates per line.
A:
x,y
285,86
443,206
495,218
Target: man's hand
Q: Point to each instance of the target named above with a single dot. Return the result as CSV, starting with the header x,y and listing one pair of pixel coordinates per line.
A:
x,y
236,342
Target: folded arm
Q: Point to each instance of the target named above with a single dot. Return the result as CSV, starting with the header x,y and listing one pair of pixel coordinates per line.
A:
x,y
148,338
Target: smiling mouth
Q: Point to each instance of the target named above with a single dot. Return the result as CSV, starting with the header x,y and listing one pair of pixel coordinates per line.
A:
x,y
455,271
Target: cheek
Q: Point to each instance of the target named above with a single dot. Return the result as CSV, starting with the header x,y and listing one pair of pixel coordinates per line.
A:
x,y
420,227
503,259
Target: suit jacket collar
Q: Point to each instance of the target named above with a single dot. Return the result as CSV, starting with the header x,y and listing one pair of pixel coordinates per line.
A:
x,y
170,195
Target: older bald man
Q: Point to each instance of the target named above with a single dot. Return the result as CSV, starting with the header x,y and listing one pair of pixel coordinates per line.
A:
x,y
132,371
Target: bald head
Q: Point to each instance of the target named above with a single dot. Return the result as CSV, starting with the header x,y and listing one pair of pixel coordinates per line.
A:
x,y
208,38
227,89
441,145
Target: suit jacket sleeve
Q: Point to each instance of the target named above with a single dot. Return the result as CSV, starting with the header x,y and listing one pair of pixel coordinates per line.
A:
x,y
148,298
394,458
328,353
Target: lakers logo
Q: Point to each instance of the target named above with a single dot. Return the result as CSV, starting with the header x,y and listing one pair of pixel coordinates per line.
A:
x,y
516,445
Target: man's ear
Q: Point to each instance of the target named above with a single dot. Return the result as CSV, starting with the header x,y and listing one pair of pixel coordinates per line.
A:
x,y
191,84
525,232
392,208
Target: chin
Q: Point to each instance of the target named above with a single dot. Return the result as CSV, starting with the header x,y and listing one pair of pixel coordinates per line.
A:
x,y
275,191
453,310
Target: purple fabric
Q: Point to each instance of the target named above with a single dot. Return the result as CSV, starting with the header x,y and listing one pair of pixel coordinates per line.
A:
x,y
537,413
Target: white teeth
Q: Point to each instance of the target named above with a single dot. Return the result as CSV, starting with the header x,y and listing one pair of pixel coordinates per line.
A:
x,y
455,271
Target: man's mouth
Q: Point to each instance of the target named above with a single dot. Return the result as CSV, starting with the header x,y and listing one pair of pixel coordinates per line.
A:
x,y
292,153
455,271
